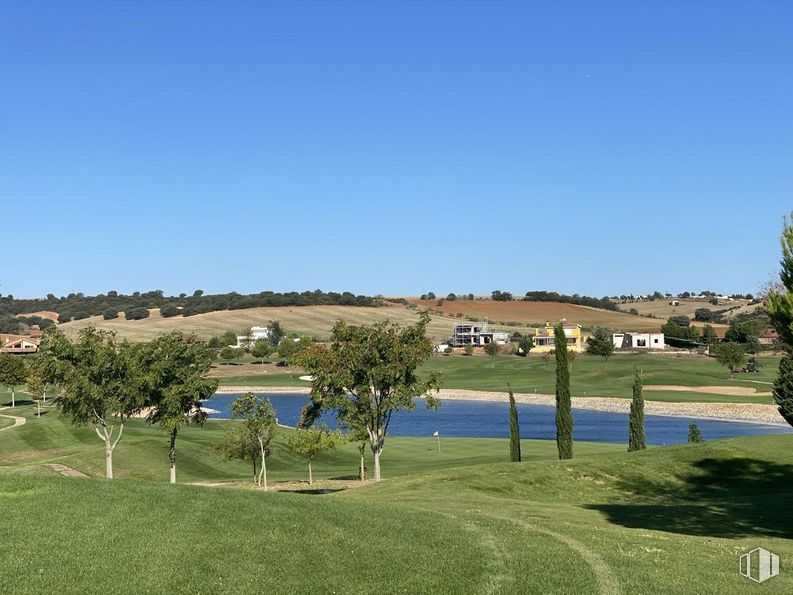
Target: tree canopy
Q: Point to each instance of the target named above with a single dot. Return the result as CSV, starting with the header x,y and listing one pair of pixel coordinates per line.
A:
x,y
100,382
175,383
367,373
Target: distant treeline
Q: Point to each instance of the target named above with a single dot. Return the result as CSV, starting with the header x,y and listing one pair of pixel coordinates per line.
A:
x,y
580,300
77,306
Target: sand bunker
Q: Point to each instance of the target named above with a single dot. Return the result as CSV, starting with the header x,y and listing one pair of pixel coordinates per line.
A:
x,y
736,391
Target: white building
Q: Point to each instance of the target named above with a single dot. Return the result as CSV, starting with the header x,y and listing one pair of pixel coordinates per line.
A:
x,y
257,333
638,340
478,335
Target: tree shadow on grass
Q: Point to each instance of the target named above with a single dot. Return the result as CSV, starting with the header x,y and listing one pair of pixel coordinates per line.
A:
x,y
721,498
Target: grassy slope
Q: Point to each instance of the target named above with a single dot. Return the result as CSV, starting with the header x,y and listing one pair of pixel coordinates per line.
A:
x,y
668,520
590,376
142,452
671,519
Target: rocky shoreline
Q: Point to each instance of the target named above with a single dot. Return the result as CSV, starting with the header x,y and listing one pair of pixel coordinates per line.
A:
x,y
741,412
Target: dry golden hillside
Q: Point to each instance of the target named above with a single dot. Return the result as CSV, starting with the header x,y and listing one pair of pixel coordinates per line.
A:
x,y
538,313
316,321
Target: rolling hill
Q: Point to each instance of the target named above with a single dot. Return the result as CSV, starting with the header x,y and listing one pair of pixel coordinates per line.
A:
x,y
316,321
538,313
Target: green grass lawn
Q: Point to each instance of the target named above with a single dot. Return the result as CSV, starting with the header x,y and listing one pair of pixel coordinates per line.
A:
x,y
143,452
667,520
591,376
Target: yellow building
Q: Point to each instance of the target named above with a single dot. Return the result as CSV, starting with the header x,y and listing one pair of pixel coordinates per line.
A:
x,y
544,337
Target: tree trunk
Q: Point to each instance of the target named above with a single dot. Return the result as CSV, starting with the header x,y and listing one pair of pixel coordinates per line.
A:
x,y
108,458
13,399
310,476
363,462
254,471
376,452
172,455
263,472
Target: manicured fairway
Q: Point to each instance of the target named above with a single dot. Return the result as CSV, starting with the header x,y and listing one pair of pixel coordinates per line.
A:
x,y
591,376
667,520
143,454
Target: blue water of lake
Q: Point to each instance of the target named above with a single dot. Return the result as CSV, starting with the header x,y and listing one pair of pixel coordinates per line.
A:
x,y
478,419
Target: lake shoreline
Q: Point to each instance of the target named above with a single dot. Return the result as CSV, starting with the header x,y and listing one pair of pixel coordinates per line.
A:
x,y
757,413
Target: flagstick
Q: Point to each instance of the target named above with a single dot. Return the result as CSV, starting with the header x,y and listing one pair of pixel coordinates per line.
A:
x,y
439,443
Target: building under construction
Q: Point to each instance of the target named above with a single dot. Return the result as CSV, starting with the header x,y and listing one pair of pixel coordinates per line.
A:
x,y
477,334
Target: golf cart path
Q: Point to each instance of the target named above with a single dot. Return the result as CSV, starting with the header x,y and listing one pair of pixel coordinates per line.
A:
x,y
18,421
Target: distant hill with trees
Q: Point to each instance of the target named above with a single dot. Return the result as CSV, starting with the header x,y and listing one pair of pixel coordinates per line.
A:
x,y
77,306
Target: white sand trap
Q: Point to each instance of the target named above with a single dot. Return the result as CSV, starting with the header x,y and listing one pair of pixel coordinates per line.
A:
x,y
735,391
307,378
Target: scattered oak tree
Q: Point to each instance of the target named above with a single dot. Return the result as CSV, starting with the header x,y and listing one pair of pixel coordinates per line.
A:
x,y
564,413
514,430
636,440
367,373
175,383
310,442
99,382
13,372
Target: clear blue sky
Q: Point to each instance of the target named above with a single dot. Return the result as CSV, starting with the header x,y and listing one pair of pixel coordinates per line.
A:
x,y
393,147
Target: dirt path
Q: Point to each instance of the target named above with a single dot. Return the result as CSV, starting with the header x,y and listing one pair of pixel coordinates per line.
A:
x,y
18,421
65,470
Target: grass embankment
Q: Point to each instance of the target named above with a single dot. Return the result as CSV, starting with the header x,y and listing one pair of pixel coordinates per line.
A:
x,y
590,377
668,520
143,452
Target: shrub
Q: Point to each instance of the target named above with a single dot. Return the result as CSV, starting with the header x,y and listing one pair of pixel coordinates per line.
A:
x,y
169,311
136,313
694,435
110,314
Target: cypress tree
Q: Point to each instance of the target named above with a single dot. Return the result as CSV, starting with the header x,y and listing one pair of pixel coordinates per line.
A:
x,y
636,419
779,307
783,388
514,430
564,414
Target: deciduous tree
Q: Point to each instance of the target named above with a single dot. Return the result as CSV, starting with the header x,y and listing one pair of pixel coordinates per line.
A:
x,y
310,442
525,345
99,382
250,439
600,343
13,372
175,383
368,372
731,355
261,349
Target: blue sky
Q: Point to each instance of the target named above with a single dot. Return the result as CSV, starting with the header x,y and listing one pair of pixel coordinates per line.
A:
x,y
394,147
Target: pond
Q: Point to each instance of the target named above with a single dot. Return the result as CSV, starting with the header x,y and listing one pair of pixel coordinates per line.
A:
x,y
478,419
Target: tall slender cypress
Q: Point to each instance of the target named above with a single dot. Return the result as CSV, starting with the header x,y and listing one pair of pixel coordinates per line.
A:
x,y
636,419
564,414
514,430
